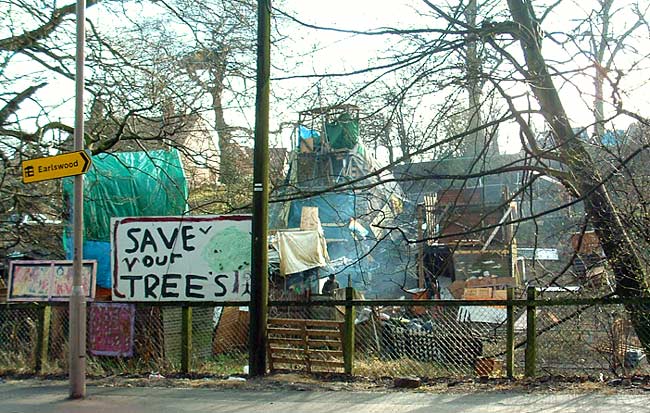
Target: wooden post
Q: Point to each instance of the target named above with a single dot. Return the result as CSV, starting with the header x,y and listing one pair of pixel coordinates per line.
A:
x,y
305,346
531,333
510,335
43,337
186,339
421,282
258,309
348,335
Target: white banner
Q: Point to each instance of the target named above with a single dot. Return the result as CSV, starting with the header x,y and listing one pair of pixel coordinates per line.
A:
x,y
198,258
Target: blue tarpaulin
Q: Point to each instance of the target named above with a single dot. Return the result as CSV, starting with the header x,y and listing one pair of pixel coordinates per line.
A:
x,y
95,250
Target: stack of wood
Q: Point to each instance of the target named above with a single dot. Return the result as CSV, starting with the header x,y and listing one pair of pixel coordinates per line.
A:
x,y
486,288
455,348
232,331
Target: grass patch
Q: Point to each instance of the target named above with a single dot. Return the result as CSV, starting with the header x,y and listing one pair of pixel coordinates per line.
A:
x,y
222,364
374,368
16,362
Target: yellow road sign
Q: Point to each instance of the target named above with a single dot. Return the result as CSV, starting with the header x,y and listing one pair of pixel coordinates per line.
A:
x,y
53,167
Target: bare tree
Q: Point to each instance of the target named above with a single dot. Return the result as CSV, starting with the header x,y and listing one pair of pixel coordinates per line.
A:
x,y
527,85
606,39
221,63
144,90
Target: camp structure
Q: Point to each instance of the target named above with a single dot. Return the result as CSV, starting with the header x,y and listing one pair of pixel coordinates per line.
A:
x,y
468,247
132,184
334,187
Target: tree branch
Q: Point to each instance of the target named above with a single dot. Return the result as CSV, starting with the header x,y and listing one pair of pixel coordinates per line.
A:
x,y
27,39
12,106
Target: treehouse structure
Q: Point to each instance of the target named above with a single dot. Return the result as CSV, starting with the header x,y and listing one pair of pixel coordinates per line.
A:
x,y
332,175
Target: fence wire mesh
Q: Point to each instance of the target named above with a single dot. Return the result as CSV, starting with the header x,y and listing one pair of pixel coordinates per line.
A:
x,y
428,340
588,340
219,340
18,333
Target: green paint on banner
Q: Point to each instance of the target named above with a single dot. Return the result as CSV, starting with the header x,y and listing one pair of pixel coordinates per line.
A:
x,y
228,250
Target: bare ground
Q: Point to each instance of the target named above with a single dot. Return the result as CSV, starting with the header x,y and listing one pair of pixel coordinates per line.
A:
x,y
337,382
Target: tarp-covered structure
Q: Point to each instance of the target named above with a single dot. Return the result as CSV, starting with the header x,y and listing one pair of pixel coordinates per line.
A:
x,y
355,218
125,184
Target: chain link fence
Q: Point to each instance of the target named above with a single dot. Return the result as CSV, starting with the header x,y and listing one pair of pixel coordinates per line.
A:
x,y
466,339
34,338
18,336
424,339
588,340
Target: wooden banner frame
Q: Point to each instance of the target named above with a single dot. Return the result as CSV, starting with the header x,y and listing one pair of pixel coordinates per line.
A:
x,y
40,280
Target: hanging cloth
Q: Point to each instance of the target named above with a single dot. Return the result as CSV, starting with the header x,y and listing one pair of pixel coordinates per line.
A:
x,y
301,250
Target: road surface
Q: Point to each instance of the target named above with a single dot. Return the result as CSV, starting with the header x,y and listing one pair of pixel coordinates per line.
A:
x,y
47,397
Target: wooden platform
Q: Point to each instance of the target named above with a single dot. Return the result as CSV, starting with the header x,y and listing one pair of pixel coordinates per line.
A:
x,y
307,345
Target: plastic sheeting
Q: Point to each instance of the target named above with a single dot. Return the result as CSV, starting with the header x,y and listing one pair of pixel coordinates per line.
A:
x,y
343,133
335,209
125,184
478,314
306,133
130,184
94,250
301,250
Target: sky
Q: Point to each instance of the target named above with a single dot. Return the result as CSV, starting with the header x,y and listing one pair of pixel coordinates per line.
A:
x,y
336,52
316,51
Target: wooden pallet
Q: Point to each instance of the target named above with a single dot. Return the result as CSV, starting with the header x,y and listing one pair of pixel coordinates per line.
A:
x,y
307,345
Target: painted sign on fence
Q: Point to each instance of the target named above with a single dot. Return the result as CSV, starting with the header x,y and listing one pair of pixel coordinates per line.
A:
x,y
47,280
111,329
199,258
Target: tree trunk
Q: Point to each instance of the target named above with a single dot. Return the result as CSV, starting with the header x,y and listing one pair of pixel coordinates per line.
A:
x,y
598,52
599,106
402,136
473,144
621,254
214,61
228,149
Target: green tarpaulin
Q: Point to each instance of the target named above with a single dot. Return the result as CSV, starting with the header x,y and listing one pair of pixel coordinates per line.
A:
x,y
130,184
343,133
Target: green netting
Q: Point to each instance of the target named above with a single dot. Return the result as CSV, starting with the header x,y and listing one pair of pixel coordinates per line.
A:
x,y
343,133
130,184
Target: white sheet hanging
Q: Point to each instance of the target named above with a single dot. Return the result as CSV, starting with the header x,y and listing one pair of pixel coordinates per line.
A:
x,y
301,250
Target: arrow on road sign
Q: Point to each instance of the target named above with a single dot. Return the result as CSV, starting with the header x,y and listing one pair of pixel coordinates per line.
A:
x,y
53,167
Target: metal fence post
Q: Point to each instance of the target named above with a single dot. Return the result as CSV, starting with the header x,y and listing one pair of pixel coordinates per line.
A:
x,y
186,338
43,337
510,334
531,333
348,336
